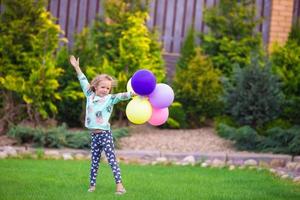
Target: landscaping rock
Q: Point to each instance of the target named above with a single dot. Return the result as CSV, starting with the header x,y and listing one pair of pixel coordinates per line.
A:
x,y
291,166
297,179
3,154
189,160
10,151
231,167
285,176
160,160
53,154
277,163
204,164
250,162
67,156
79,156
218,163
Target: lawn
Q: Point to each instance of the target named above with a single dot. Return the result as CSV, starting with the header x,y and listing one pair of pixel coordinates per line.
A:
x,y
58,179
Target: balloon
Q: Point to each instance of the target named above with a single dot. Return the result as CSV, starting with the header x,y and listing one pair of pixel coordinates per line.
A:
x,y
159,116
138,110
128,86
162,96
143,82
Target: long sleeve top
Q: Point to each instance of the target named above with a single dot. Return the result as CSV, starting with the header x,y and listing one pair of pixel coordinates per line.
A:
x,y
99,109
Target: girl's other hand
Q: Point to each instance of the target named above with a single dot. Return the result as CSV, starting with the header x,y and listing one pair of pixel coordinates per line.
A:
x,y
74,62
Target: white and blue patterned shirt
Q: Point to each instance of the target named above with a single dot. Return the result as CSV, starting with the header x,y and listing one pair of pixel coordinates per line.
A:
x,y
99,109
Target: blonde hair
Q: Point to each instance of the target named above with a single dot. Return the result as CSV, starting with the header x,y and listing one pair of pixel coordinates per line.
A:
x,y
102,77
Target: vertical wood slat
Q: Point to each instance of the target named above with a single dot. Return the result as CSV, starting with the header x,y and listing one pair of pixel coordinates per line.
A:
x,y
169,24
62,15
71,29
81,15
198,17
53,7
178,26
92,11
158,23
173,18
150,21
189,16
296,11
266,22
259,12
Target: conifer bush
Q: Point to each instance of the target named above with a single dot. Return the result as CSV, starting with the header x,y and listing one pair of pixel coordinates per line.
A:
x,y
177,117
28,76
286,64
255,97
232,34
198,88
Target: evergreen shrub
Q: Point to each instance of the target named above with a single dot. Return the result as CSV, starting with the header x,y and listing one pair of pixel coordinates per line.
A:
x,y
232,34
254,97
57,137
198,88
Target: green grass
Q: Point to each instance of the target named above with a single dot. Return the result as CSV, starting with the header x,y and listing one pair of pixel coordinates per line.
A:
x,y
58,179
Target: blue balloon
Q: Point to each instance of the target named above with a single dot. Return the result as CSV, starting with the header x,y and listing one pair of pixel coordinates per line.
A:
x,y
143,82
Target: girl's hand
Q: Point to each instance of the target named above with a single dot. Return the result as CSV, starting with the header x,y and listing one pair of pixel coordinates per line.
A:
x,y
74,62
132,94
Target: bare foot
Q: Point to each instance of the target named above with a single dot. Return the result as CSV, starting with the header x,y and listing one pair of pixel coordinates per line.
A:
x,y
120,189
92,189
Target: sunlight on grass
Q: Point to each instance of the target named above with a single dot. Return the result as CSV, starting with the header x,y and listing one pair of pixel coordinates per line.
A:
x,y
58,179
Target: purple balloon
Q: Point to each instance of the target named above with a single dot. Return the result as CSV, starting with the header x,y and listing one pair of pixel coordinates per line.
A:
x,y
143,82
162,96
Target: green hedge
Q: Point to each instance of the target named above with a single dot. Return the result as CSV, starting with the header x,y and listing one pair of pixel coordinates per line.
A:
x,y
57,137
275,140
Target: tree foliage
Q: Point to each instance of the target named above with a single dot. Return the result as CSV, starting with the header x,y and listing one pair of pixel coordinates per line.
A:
x,y
198,88
232,34
28,39
255,97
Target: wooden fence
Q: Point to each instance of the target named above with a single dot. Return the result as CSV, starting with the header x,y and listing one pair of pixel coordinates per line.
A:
x,y
172,18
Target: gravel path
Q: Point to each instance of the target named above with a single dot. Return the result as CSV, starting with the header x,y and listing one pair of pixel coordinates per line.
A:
x,y
145,137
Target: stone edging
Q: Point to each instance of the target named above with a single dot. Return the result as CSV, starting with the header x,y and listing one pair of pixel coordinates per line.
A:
x,y
280,165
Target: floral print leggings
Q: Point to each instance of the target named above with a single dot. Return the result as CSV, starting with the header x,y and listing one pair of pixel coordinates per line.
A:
x,y
103,141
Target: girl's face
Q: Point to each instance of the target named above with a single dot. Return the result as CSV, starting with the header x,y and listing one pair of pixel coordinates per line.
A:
x,y
103,88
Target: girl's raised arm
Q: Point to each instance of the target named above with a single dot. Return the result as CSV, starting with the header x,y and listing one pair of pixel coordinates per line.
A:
x,y
85,85
75,64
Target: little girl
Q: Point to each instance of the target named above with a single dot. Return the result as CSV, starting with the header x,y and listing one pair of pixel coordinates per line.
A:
x,y
99,106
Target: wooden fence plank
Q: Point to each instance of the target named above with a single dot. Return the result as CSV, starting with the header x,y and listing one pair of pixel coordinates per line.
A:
x,y
72,22
150,21
296,11
199,17
53,8
63,14
173,18
92,11
178,26
189,16
208,4
158,20
266,23
259,12
168,37
81,15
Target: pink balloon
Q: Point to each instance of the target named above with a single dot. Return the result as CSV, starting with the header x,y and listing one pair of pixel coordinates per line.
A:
x,y
159,116
162,96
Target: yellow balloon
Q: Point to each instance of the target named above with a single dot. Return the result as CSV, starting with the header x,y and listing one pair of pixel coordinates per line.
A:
x,y
129,88
138,110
